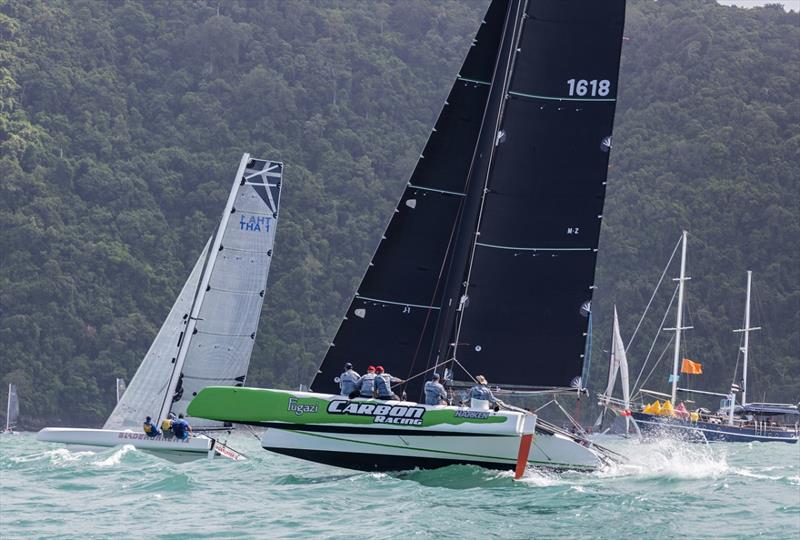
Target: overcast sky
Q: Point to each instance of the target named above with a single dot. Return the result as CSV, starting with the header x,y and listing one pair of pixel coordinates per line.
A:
x,y
793,5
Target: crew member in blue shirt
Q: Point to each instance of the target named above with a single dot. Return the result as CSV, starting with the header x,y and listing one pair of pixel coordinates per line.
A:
x,y
366,385
434,392
383,384
348,381
150,428
181,428
481,391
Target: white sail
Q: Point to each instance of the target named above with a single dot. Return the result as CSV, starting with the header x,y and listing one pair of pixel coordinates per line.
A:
x,y
12,409
121,386
145,394
228,305
619,357
618,363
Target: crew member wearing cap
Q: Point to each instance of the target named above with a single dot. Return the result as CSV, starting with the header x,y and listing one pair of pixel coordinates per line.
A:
x,y
482,393
366,385
383,384
150,428
348,381
434,392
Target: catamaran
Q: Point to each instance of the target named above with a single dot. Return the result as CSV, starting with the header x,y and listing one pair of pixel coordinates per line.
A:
x,y
486,266
208,335
12,409
746,422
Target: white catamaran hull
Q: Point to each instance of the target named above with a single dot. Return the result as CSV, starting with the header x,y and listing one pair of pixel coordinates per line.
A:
x,y
169,448
401,452
367,434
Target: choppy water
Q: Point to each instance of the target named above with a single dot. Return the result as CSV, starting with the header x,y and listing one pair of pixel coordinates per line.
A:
x,y
668,490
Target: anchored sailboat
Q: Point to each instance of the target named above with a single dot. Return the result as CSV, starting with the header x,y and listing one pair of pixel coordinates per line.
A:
x,y
487,264
12,409
208,335
747,422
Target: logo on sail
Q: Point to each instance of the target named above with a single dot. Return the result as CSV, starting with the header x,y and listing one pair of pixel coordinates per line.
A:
x,y
254,223
381,414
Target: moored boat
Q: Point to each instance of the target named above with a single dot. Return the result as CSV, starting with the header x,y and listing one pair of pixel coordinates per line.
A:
x,y
746,422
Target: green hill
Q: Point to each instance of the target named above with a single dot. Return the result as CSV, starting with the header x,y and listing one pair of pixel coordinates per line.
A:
x,y
121,125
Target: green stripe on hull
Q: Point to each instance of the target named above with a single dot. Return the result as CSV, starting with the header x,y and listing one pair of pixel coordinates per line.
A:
x,y
257,405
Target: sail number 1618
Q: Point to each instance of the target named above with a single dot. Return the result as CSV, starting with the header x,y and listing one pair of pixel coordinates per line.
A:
x,y
582,87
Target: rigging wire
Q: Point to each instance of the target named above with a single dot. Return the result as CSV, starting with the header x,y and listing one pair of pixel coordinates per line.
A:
x,y
652,296
669,344
658,333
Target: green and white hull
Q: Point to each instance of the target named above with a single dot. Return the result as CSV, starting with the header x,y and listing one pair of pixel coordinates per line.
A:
x,y
367,434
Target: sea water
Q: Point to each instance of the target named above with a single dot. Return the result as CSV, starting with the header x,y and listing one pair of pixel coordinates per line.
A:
x,y
668,489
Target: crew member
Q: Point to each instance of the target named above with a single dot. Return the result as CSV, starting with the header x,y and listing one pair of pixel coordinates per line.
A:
x,y
481,393
181,428
348,381
150,428
366,385
434,392
166,425
383,384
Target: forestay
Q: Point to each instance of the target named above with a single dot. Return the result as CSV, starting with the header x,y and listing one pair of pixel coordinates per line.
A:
x,y
145,393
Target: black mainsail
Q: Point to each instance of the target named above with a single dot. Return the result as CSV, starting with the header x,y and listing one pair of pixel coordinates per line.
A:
x,y
488,261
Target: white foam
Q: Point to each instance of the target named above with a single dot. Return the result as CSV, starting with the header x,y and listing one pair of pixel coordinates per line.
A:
x,y
116,457
671,458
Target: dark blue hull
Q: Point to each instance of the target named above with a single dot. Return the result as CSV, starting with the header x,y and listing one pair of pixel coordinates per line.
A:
x,y
706,431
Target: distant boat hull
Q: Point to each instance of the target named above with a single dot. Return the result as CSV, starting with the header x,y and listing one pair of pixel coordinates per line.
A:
x,y
367,434
168,448
700,431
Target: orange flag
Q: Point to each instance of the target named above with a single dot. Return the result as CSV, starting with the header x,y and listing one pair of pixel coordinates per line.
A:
x,y
692,368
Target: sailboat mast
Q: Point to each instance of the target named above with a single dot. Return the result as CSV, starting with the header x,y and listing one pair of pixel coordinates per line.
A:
x,y
746,330
455,299
200,294
679,320
8,408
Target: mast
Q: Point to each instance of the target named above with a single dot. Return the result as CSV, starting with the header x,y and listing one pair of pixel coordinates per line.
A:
x,y
457,284
8,407
679,319
746,331
200,294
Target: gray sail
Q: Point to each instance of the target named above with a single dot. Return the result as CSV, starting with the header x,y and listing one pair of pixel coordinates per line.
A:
x,y
222,329
12,410
147,389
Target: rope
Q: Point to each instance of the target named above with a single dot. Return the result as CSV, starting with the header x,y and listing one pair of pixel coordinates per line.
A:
x,y
652,346
664,273
669,343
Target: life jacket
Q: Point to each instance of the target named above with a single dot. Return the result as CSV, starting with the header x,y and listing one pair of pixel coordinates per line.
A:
x,y
166,424
150,429
367,385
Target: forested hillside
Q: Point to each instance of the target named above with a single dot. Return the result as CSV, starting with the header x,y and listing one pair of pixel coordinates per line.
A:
x,y
121,124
